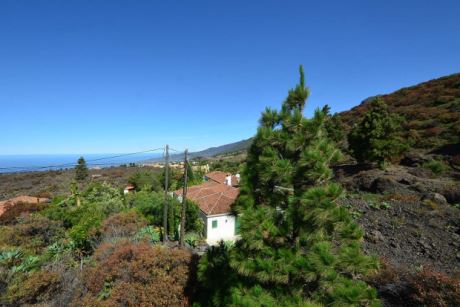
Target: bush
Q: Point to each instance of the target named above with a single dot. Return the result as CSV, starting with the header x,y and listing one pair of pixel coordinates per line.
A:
x,y
149,204
145,181
40,286
122,225
33,233
131,274
86,232
427,287
13,211
436,166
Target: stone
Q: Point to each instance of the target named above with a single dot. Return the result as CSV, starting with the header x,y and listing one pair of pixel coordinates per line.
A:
x,y
412,159
435,197
375,236
385,184
452,194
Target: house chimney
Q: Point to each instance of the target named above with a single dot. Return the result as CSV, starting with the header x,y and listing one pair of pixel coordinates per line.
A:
x,y
228,180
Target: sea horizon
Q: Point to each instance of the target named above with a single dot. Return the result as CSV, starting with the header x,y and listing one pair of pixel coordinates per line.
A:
x,y
12,163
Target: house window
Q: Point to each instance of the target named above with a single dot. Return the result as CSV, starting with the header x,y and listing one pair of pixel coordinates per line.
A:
x,y
214,224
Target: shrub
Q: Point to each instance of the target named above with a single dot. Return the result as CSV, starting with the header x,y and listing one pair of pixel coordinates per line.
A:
x,y
149,204
33,233
86,231
13,211
431,288
145,181
399,287
103,197
40,286
131,274
436,166
122,225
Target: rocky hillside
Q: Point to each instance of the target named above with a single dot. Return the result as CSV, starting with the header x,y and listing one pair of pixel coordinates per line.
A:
x,y
431,111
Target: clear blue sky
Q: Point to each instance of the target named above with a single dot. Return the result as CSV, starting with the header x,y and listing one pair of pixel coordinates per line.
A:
x,y
121,76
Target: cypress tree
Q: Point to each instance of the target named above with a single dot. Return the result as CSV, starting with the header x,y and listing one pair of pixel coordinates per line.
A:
x,y
81,170
297,246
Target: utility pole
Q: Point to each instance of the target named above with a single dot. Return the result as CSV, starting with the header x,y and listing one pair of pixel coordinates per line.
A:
x,y
165,207
184,201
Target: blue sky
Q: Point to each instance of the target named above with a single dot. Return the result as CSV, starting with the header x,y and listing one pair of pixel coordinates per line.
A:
x,y
123,76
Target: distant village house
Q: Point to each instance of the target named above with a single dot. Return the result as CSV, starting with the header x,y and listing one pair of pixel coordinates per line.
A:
x,y
129,188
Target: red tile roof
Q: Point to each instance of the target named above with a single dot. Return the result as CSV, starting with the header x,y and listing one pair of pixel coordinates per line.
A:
x,y
212,197
20,199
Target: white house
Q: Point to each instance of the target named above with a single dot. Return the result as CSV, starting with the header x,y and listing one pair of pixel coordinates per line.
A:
x,y
215,200
129,188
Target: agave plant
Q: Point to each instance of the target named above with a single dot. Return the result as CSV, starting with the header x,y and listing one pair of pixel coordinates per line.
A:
x,y
11,257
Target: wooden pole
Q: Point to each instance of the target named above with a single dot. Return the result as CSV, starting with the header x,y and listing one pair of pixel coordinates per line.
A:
x,y
166,201
184,201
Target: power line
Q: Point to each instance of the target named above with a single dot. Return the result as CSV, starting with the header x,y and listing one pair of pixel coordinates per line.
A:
x,y
30,168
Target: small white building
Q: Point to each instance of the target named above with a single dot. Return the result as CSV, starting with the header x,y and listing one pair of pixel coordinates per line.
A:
x,y
129,188
215,200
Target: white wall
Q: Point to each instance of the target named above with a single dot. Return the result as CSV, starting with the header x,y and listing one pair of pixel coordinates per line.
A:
x,y
225,228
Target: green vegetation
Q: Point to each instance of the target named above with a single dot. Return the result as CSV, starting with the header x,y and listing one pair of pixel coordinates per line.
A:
x,y
377,138
145,181
436,166
297,247
52,255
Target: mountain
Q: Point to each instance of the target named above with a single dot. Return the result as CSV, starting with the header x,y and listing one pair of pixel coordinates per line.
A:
x,y
210,152
431,111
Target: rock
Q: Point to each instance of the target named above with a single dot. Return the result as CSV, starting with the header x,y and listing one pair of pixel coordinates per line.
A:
x,y
386,184
375,236
413,159
452,194
435,197
420,172
424,244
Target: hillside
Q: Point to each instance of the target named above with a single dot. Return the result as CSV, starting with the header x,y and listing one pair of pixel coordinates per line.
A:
x,y
431,111
210,152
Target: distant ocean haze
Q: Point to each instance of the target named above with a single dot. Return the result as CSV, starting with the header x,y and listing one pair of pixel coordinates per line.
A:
x,y
43,162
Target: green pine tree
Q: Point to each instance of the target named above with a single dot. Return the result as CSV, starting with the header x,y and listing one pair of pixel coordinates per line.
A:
x,y
81,170
377,138
298,246
334,127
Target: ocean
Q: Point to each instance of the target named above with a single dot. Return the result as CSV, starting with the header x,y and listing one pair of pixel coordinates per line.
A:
x,y
43,162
